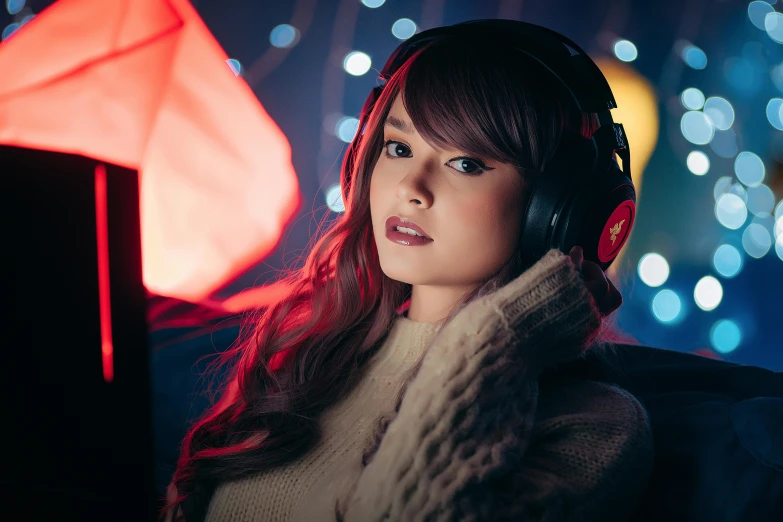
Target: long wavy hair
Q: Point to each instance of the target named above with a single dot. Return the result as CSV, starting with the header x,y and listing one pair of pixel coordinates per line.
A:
x,y
300,355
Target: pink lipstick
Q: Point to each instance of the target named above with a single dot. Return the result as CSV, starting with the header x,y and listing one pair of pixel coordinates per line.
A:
x,y
410,235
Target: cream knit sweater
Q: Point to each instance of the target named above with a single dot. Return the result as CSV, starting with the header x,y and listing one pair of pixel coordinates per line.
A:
x,y
474,439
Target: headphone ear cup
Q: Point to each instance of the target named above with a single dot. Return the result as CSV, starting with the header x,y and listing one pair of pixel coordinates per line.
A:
x,y
542,206
599,218
552,192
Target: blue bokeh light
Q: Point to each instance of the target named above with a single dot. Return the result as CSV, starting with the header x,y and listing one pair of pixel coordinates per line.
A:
x,y
14,6
692,98
404,28
334,199
346,128
9,30
694,57
625,50
725,336
757,11
727,261
749,168
284,35
697,128
235,66
720,112
774,108
666,306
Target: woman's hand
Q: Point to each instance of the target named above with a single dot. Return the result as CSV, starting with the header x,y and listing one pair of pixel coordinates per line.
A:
x,y
606,296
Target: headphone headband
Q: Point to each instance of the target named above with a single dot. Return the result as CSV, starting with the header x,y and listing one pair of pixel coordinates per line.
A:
x,y
560,55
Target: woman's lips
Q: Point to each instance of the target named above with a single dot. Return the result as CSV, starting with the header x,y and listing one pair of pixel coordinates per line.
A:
x,y
395,221
403,238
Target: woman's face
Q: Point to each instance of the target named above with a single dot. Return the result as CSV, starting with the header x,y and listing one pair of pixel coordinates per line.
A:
x,y
469,207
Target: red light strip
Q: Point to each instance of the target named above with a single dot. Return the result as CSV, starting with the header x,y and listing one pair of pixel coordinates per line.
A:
x,y
102,229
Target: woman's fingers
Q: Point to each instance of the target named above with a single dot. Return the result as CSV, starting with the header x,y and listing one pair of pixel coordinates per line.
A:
x,y
613,299
606,296
577,257
596,280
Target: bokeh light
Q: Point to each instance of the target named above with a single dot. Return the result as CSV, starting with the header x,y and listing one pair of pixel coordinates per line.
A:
x,y
741,74
334,199
653,269
697,127
774,108
14,6
346,128
731,211
666,306
284,36
235,66
738,189
749,168
625,50
698,162
727,261
761,200
724,144
357,63
404,28
725,336
757,12
773,24
9,30
694,57
720,112
373,3
692,98
722,186
708,293
756,240
776,74
767,221
779,209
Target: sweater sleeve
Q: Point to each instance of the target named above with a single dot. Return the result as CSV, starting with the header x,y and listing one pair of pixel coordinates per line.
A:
x,y
466,419
590,457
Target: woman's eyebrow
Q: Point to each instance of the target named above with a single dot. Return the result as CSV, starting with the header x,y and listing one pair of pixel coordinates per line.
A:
x,y
399,124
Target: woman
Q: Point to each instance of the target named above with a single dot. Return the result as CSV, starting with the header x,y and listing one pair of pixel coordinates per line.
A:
x,y
402,378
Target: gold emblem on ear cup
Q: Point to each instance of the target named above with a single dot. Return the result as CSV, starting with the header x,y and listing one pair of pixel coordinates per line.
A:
x,y
613,231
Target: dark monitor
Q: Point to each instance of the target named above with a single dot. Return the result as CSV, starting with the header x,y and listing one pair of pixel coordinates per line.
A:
x,y
77,433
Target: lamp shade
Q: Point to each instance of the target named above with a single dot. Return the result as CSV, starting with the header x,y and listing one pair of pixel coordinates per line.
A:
x,y
144,84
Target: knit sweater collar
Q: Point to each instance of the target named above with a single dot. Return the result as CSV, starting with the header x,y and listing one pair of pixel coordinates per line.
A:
x,y
406,341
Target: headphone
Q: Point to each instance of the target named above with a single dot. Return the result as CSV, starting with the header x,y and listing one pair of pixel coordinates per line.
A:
x,y
594,207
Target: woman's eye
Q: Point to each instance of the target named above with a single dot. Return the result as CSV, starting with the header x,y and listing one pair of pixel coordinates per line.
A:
x,y
468,166
395,149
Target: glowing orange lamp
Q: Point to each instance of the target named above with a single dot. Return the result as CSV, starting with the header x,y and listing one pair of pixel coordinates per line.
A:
x,y
143,84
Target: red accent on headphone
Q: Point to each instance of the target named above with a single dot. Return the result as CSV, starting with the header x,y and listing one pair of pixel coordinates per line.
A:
x,y
616,231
